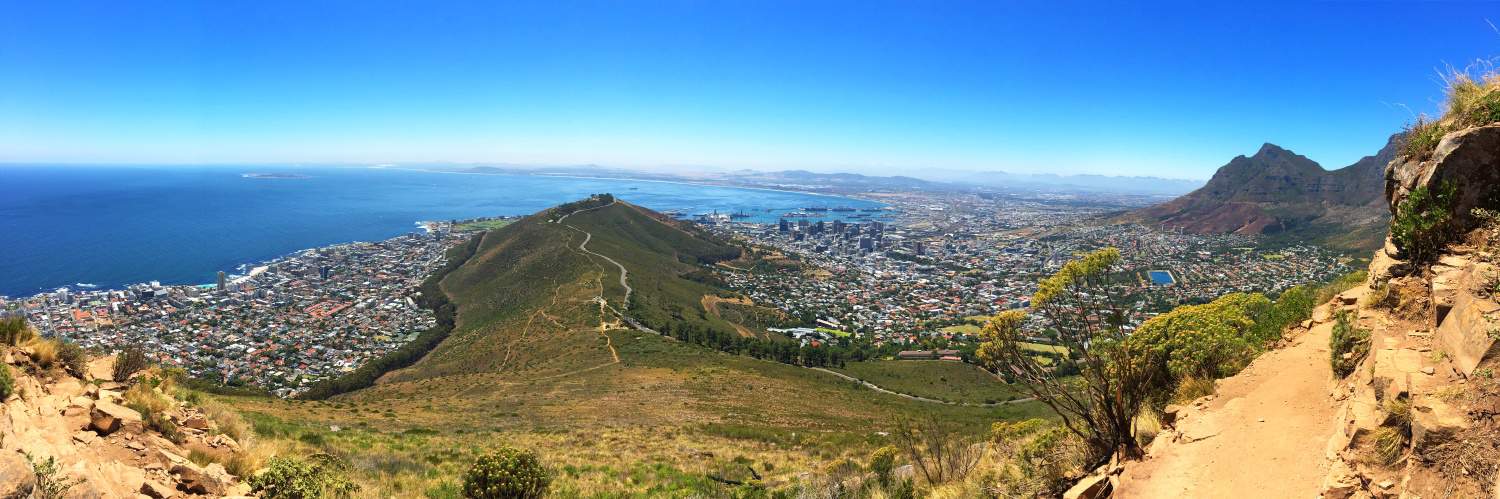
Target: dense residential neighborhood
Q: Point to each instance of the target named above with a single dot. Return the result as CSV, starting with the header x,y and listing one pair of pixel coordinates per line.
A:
x,y
280,326
946,258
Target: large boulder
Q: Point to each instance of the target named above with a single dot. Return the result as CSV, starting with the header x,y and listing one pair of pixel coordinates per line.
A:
x,y
196,481
109,417
1464,333
1469,158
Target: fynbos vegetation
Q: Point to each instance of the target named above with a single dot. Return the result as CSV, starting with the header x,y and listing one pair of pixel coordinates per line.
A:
x,y
1115,375
1424,222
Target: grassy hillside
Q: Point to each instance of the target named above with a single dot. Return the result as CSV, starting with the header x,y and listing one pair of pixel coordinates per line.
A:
x,y
934,379
535,360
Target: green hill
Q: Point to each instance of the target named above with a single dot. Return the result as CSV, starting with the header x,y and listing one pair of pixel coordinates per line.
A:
x,y
535,359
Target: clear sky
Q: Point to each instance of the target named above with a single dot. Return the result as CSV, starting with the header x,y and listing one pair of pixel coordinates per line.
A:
x,y
1170,90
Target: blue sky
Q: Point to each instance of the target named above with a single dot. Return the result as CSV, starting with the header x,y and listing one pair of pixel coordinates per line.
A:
x,y
1171,90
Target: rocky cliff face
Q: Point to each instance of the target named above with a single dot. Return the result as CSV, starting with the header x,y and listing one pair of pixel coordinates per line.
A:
x,y
1276,191
1468,159
1420,416
107,449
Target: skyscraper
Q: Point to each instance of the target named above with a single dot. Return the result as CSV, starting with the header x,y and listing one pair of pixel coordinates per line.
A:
x,y
223,282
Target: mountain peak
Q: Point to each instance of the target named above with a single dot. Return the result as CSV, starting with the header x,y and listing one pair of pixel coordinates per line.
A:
x,y
1271,150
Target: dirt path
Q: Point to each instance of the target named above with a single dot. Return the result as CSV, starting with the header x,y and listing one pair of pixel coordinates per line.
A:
x,y
1264,434
881,389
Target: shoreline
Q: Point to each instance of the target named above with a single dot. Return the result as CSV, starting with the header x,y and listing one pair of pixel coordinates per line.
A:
x,y
417,226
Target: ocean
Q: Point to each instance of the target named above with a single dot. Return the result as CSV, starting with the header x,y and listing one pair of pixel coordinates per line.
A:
x,y
113,226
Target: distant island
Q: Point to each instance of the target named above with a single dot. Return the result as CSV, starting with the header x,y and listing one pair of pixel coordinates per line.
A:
x,y
273,175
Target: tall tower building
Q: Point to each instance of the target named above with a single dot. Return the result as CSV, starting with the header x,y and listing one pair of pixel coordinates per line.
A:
x,y
223,282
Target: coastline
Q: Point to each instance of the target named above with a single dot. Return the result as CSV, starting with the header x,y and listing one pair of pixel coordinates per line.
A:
x,y
29,287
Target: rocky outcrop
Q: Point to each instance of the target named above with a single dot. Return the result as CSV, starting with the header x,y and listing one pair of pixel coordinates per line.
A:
x,y
1469,159
1418,416
95,439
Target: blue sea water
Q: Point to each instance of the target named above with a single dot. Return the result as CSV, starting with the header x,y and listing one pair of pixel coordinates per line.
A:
x,y
115,226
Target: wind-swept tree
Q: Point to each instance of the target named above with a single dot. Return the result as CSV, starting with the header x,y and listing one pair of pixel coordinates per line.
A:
x,y
1087,314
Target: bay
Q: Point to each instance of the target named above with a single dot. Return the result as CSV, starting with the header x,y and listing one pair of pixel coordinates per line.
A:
x,y
112,226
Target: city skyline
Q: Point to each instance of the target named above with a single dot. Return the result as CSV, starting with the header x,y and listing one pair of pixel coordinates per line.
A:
x,y
1167,90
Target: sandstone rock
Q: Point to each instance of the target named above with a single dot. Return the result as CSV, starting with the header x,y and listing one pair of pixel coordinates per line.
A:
x,y
108,417
85,437
1341,482
1465,333
1467,158
16,477
196,423
1091,487
1171,414
102,368
1444,294
196,481
157,490
1433,423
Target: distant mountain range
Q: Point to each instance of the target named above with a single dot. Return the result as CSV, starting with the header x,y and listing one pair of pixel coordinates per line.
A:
x,y
932,180
1286,196
1047,182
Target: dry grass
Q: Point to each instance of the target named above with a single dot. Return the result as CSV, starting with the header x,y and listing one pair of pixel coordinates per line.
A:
x,y
43,351
1473,99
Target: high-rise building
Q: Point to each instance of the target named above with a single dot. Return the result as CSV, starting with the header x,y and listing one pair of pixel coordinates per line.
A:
x,y
784,225
223,281
324,271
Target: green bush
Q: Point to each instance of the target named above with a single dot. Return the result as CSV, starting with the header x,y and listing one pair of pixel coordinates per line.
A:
x,y
321,476
50,482
882,461
14,331
130,361
7,382
1347,339
1424,222
507,473
73,358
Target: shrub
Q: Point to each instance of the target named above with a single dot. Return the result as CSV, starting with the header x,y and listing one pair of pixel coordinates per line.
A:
x,y
883,461
1038,456
507,473
1347,339
14,331
1421,138
50,482
73,358
1424,222
130,361
1116,377
320,476
937,452
7,382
